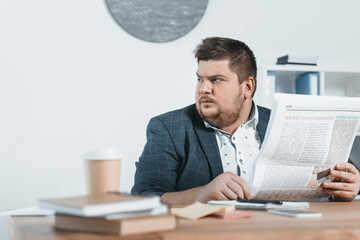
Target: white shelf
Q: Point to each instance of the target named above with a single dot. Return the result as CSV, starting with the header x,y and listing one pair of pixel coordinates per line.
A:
x,y
333,81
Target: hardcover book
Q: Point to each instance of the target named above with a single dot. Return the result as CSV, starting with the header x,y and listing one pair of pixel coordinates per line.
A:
x,y
101,204
121,227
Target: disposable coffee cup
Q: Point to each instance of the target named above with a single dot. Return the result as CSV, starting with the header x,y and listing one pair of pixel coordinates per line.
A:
x,y
102,170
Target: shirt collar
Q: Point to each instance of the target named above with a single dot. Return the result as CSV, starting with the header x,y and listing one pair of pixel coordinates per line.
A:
x,y
254,117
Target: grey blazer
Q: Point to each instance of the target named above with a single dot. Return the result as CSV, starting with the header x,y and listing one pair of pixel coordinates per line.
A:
x,y
181,153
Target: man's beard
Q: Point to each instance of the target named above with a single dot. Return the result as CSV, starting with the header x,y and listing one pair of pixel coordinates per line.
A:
x,y
222,119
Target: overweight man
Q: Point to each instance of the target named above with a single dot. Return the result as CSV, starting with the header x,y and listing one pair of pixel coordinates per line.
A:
x,y
206,151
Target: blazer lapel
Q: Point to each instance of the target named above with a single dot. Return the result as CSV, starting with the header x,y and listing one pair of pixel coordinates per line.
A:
x,y
208,142
264,115
209,145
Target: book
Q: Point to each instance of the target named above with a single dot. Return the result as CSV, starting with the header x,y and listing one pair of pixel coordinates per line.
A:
x,y
302,60
162,209
296,213
307,83
121,227
100,204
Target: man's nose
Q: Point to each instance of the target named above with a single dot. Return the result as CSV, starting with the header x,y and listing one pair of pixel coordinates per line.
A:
x,y
205,87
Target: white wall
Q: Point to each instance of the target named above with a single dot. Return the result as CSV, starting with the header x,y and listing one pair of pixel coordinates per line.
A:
x,y
71,79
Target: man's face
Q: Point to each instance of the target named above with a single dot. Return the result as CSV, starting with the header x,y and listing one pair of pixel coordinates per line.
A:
x,y
219,96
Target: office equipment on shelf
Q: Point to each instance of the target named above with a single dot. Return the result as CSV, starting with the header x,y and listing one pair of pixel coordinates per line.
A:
x,y
121,227
100,204
307,83
299,60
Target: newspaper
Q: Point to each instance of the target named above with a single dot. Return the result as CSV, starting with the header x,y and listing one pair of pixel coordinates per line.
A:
x,y
306,137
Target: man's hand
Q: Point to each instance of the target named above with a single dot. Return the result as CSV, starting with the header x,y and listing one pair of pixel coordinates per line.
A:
x,y
345,183
226,186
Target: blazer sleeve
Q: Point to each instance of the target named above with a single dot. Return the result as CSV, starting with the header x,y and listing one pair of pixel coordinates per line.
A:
x,y
157,168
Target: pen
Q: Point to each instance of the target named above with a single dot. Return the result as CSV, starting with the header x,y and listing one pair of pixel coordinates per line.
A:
x,y
260,201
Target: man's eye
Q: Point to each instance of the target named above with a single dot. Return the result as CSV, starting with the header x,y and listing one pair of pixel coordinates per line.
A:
x,y
199,79
216,80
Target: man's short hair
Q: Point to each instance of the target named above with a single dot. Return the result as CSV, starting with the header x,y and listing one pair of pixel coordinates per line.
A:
x,y
242,59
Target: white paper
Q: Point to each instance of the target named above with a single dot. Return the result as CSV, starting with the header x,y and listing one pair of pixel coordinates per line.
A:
x,y
30,211
306,135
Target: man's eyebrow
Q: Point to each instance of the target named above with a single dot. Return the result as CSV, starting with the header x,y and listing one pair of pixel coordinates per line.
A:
x,y
212,76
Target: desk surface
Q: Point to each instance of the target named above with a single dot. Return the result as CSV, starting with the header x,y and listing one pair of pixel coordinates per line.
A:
x,y
339,221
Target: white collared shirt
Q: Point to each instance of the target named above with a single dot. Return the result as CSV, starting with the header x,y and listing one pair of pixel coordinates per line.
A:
x,y
238,151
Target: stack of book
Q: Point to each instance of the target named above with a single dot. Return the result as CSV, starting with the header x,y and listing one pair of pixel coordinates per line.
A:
x,y
111,213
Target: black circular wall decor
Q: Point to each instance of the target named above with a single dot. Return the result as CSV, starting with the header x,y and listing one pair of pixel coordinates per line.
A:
x,y
157,21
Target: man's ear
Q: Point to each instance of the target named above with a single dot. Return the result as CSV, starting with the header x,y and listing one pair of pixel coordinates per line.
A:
x,y
249,87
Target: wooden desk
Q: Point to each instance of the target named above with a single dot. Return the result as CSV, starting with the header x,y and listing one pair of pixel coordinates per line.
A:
x,y
339,221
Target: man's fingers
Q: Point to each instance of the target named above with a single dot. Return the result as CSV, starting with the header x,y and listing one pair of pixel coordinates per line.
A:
x,y
222,196
338,186
236,189
340,195
346,167
232,193
243,185
345,182
337,176
232,186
